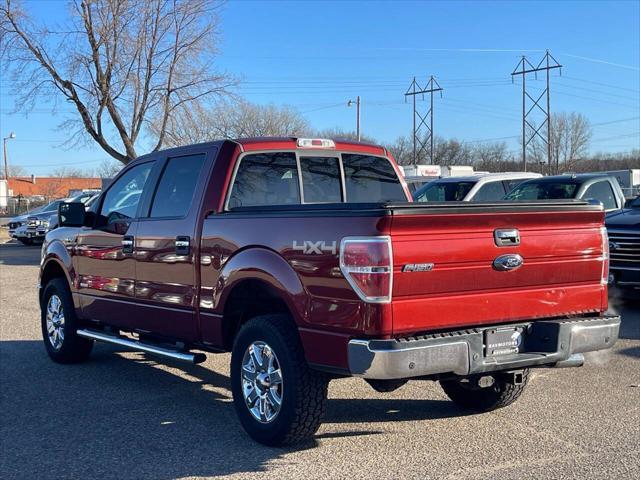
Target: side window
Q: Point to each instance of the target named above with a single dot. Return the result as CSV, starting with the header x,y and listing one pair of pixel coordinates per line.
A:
x,y
511,184
266,179
175,191
371,179
489,192
602,192
320,179
122,198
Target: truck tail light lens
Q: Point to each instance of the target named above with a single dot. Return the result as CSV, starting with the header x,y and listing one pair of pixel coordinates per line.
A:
x,y
604,279
315,143
367,264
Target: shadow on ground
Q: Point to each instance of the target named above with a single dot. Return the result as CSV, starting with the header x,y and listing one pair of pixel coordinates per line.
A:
x,y
15,253
124,418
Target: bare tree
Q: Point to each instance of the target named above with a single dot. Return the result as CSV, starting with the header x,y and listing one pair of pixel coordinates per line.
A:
x,y
108,169
17,171
71,172
119,63
341,134
570,136
228,119
402,150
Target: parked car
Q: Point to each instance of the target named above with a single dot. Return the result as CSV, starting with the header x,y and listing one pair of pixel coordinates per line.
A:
x,y
415,183
15,224
36,225
474,188
589,186
306,260
624,246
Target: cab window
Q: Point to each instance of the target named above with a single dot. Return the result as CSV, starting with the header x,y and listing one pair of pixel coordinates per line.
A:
x,y
122,199
602,192
266,179
489,192
175,191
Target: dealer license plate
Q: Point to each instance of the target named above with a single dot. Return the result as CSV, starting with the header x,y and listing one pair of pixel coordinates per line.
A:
x,y
503,341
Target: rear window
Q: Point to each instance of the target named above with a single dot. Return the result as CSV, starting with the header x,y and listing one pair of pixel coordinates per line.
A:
x,y
443,191
543,191
371,179
266,179
321,179
274,179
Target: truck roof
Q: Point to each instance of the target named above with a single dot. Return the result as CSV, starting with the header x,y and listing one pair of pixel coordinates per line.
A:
x,y
289,143
577,178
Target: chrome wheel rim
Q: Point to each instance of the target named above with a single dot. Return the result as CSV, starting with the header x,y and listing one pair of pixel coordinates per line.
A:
x,y
262,382
55,322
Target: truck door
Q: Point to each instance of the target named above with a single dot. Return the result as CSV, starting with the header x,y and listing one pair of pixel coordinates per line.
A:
x,y
166,247
104,253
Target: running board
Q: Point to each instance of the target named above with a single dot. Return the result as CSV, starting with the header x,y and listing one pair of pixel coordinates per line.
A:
x,y
136,345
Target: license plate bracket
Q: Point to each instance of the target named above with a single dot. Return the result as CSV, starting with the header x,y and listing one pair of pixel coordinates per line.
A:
x,y
503,341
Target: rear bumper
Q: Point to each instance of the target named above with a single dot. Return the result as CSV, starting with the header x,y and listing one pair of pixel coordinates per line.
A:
x,y
545,343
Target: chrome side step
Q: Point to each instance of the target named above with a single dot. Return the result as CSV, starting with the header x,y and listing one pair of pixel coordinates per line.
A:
x,y
136,345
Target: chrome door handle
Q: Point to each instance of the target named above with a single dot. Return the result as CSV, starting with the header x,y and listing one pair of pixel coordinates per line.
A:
x,y
127,244
506,237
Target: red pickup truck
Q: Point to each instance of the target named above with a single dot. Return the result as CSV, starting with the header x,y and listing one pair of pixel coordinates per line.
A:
x,y
306,260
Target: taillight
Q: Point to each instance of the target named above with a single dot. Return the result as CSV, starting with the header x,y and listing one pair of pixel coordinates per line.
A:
x,y
604,279
367,264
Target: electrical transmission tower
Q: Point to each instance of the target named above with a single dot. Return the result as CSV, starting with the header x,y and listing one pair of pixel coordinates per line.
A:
x,y
423,122
524,67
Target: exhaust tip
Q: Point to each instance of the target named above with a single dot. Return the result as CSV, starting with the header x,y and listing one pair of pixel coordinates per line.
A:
x,y
575,360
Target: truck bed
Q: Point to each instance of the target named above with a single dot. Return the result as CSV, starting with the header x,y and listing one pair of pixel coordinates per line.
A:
x,y
561,244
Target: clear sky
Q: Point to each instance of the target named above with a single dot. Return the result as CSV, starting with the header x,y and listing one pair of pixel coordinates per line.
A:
x,y
317,55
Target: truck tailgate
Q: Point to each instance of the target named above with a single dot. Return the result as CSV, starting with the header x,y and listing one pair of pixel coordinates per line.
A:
x,y
444,272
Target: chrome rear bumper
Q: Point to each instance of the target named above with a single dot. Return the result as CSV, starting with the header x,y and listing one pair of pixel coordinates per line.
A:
x,y
546,343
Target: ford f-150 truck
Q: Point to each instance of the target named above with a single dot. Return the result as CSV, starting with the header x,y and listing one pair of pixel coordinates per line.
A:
x,y
307,261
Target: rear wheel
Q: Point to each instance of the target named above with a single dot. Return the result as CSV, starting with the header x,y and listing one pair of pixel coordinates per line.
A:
x,y
278,398
469,394
59,325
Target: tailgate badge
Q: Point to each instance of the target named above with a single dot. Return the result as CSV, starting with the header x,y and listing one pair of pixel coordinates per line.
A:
x,y
506,237
417,267
505,263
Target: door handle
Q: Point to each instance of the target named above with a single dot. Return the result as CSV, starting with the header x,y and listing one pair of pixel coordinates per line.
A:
x,y
506,237
183,245
127,244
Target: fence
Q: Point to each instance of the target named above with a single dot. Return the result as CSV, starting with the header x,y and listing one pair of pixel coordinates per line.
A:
x,y
12,206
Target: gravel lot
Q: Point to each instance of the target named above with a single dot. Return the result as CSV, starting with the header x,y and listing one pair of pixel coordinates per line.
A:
x,y
123,415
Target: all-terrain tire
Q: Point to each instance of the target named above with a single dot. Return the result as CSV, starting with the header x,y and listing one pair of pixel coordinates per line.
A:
x,y
304,391
67,347
501,394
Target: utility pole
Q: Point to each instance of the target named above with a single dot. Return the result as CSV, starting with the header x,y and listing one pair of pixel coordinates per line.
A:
x,y
11,136
357,103
524,67
426,121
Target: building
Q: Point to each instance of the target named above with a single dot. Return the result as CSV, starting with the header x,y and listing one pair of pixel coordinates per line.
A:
x,y
49,188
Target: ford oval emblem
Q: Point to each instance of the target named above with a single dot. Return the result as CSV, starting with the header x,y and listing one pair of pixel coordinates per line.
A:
x,y
508,262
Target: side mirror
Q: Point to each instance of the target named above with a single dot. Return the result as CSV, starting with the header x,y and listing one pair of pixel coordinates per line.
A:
x,y
628,202
71,214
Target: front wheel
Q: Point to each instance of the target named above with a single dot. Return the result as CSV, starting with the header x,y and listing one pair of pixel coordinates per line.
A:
x,y
59,325
469,395
278,398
